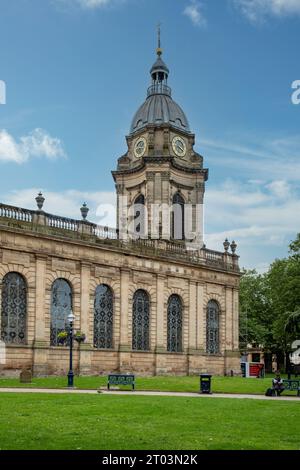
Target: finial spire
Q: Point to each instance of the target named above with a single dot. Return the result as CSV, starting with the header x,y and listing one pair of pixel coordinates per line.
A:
x,y
159,49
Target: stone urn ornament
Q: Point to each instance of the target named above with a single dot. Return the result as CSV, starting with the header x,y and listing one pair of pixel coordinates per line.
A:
x,y
84,211
40,200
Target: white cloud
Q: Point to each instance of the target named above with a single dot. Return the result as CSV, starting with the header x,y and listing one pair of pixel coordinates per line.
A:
x,y
89,4
281,189
93,3
36,144
270,159
262,211
194,12
262,217
257,10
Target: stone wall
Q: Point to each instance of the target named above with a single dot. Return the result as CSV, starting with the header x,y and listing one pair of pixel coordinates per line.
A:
x,y
42,258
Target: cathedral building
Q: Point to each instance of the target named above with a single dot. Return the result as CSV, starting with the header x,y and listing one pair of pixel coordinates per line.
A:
x,y
149,297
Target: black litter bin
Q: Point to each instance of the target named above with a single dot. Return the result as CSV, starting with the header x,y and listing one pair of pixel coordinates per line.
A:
x,y
205,383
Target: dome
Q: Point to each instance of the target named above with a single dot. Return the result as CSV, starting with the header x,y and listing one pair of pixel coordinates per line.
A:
x,y
159,108
159,66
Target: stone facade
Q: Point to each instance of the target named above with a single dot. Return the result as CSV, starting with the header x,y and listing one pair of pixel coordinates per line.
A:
x,y
41,256
160,164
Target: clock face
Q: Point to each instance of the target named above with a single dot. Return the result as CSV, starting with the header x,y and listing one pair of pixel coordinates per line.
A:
x,y
140,147
179,146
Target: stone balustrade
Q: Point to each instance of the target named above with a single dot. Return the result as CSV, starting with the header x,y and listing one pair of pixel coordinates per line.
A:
x,y
34,220
16,213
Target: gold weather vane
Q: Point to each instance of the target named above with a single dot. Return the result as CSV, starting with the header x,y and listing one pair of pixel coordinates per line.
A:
x,y
159,50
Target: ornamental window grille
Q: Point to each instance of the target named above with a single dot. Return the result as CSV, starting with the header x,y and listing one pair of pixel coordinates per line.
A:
x,y
103,317
140,321
61,306
212,327
13,309
174,324
139,217
177,217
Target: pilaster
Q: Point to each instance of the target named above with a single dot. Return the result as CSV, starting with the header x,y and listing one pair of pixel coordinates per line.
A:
x,y
125,347
229,318
85,348
193,316
40,344
235,319
201,321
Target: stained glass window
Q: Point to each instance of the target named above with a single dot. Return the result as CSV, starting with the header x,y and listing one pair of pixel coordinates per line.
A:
x,y
13,309
212,328
140,321
103,317
61,306
175,324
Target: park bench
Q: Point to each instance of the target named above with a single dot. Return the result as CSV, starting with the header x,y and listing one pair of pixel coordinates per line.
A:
x,y
289,384
292,385
121,379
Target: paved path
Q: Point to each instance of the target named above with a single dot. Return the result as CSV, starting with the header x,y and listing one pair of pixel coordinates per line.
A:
x,y
145,393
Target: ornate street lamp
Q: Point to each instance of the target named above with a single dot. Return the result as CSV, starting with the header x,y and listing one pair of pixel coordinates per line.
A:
x,y
71,318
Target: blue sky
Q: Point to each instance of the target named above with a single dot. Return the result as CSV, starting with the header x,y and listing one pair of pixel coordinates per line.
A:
x,y
77,70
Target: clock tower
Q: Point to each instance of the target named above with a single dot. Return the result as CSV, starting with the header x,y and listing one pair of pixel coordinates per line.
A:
x,y
160,181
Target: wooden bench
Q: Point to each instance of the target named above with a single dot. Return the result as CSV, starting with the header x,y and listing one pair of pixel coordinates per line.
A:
x,y
292,385
121,379
288,384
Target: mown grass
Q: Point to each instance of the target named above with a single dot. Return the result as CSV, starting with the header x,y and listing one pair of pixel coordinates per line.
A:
x,y
168,384
44,421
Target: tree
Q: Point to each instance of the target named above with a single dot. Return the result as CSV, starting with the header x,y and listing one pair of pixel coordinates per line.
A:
x,y
270,304
255,309
284,282
295,246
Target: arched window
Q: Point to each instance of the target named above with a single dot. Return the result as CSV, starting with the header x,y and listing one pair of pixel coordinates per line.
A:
x,y
212,328
177,217
61,306
103,317
140,321
13,309
175,324
139,216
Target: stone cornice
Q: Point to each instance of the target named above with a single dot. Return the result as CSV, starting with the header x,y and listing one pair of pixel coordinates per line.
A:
x,y
162,127
158,160
110,246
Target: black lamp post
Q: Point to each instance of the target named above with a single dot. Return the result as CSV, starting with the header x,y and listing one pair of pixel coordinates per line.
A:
x,y
71,318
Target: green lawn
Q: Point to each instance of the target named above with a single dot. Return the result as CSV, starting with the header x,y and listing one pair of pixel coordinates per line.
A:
x,y
38,421
173,384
